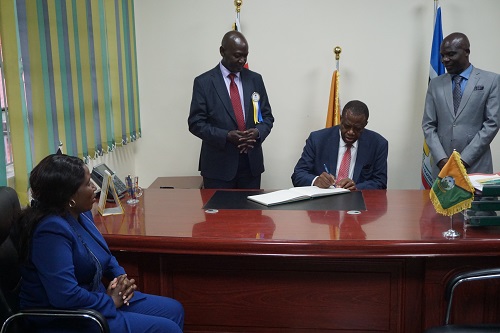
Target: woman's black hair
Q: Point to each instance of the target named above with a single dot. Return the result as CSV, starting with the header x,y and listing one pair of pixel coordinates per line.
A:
x,y
53,181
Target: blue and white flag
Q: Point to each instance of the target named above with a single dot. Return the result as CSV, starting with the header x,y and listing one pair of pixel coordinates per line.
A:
x,y
436,69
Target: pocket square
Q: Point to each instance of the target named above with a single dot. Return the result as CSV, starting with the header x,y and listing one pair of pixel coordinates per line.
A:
x,y
478,87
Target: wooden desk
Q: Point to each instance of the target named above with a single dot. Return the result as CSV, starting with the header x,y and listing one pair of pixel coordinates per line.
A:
x,y
301,271
195,182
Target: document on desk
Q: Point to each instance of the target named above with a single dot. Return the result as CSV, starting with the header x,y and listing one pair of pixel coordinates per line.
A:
x,y
294,194
479,180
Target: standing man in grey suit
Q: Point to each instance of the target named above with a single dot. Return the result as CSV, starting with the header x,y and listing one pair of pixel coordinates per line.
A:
x,y
230,113
462,109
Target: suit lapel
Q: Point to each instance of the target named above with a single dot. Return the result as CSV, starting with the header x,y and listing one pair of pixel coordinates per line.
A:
x,y
94,233
471,83
221,89
360,157
448,94
80,228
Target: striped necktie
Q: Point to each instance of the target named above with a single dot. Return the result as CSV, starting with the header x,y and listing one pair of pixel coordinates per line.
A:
x,y
345,164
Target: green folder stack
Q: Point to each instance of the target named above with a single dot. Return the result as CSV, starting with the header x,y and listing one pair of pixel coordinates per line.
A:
x,y
485,209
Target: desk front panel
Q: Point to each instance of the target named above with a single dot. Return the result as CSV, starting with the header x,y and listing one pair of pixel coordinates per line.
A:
x,y
273,294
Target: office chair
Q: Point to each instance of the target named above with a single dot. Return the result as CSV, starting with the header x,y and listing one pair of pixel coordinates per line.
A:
x,y
476,275
10,277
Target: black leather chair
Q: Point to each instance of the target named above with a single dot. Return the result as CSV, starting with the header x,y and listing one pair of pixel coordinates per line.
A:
x,y
476,275
12,318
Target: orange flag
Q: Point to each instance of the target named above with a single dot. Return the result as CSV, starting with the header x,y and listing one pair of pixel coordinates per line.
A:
x,y
333,115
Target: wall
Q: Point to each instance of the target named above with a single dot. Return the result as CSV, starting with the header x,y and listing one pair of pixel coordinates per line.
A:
x,y
384,62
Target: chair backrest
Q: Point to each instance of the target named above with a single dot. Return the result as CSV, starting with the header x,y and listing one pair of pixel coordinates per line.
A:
x,y
10,209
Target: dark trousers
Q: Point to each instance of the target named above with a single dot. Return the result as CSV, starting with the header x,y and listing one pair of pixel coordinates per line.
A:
x,y
243,180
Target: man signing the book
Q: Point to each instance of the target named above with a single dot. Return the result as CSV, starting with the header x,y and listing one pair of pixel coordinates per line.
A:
x,y
345,156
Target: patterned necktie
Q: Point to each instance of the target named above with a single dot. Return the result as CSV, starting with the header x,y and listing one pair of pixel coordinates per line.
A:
x,y
345,164
457,92
236,101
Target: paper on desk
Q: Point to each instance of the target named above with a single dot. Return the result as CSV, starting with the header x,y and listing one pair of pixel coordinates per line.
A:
x,y
478,180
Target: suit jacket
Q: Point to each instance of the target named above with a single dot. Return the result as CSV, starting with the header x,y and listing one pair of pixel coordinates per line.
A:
x,y
61,268
211,117
322,147
474,126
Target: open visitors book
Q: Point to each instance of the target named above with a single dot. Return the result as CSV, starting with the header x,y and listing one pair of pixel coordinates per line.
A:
x,y
294,194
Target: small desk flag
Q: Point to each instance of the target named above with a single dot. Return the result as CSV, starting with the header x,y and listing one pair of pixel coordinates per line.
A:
x,y
452,191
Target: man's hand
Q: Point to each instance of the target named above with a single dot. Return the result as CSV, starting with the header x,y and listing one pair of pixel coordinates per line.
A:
x,y
325,180
243,140
248,140
234,137
442,163
251,134
347,183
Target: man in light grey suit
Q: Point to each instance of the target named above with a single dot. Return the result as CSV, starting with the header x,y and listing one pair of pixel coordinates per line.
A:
x,y
470,126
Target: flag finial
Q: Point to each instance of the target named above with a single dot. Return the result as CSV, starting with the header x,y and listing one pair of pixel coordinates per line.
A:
x,y
337,50
238,4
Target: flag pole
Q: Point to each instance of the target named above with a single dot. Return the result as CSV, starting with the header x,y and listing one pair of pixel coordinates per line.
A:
x,y
451,233
237,4
436,4
337,50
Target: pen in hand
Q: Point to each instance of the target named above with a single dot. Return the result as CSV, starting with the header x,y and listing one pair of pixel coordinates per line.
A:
x,y
326,169
330,178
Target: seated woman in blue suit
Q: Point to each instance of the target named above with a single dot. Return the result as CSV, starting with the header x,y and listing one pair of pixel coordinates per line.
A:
x,y
64,257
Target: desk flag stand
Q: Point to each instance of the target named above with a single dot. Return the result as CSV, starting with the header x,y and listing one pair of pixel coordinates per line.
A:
x,y
451,233
108,186
452,191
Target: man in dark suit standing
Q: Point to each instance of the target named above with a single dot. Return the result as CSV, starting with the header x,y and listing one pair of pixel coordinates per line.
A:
x,y
356,156
462,109
230,112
